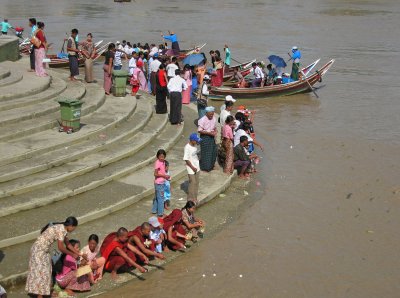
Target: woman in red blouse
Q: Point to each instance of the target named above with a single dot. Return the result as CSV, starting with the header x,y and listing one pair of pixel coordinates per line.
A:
x,y
40,51
161,91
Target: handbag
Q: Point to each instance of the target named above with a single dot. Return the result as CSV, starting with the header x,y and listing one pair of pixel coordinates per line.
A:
x,y
35,41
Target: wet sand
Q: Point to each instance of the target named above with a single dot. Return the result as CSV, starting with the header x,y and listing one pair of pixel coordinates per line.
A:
x,y
327,222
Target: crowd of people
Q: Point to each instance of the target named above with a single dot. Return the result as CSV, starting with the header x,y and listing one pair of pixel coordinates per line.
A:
x,y
153,69
77,268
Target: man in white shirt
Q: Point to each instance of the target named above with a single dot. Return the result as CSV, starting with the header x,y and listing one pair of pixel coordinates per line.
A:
x,y
225,112
227,98
153,50
175,87
132,64
154,66
192,166
171,68
118,59
258,74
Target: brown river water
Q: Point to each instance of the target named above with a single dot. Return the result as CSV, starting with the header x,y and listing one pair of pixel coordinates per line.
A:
x,y
324,219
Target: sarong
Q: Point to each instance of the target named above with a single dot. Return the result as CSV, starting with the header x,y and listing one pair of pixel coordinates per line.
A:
x,y
161,100
186,95
208,153
175,48
39,65
71,282
89,70
295,71
73,65
107,79
175,110
228,146
153,81
32,58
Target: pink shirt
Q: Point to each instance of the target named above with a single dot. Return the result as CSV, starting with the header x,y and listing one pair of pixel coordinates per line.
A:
x,y
227,132
160,167
207,124
69,265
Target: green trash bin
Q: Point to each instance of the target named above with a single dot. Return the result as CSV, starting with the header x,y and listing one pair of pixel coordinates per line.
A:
x,y
70,114
119,78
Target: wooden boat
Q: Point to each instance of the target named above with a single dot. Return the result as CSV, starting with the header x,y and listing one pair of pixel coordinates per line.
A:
x,y
306,70
300,86
56,62
244,65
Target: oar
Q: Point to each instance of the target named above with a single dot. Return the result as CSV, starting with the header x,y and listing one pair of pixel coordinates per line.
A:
x,y
305,78
236,61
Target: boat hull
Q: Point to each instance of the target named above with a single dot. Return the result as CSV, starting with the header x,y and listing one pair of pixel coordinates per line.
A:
x,y
300,86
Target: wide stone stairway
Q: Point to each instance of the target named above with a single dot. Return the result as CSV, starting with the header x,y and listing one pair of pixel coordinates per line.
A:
x,y
98,174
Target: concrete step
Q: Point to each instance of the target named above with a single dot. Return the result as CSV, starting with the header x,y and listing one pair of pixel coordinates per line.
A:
x,y
57,86
30,84
129,217
93,100
4,72
32,112
113,112
63,163
144,148
10,79
97,203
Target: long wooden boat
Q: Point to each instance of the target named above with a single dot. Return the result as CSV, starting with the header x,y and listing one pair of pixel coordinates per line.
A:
x,y
300,86
306,70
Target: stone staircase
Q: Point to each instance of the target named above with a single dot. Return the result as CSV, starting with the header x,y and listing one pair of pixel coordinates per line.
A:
x,y
96,174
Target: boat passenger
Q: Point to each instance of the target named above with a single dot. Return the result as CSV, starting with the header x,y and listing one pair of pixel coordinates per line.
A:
x,y
241,82
174,40
295,56
259,75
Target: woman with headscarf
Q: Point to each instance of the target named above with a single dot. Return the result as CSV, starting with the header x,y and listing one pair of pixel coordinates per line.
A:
x,y
176,234
187,76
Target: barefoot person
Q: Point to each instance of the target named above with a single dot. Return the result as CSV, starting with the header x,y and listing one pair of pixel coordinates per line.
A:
x,y
242,160
89,51
192,166
176,234
140,237
191,224
67,279
208,130
73,55
118,253
107,68
95,260
38,282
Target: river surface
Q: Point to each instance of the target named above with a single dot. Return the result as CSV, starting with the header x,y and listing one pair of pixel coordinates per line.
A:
x,y
327,223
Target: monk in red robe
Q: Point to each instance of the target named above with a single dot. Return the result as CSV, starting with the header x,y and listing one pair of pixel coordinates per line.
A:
x,y
140,237
176,234
119,254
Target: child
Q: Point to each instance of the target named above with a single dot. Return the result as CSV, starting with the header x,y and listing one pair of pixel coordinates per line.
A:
x,y
167,189
92,250
134,83
160,177
67,278
157,233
